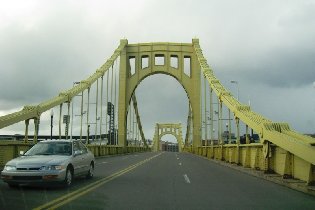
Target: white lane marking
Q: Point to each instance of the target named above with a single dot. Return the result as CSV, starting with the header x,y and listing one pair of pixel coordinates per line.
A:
x,y
186,179
180,164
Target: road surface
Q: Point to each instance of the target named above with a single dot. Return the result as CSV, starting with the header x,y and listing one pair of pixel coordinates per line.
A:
x,y
161,180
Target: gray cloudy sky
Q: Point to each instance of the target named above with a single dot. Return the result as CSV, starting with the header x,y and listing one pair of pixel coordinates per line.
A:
x,y
268,46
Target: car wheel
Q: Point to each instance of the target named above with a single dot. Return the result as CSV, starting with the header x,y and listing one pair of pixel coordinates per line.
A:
x,y
90,172
68,178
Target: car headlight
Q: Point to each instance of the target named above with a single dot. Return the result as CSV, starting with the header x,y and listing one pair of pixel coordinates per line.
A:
x,y
9,168
52,168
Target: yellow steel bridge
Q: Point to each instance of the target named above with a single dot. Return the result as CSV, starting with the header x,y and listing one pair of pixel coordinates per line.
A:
x,y
278,149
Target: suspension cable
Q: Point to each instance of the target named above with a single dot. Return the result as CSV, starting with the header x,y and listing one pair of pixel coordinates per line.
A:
x,y
96,109
205,107
81,123
87,118
101,119
115,115
211,115
106,117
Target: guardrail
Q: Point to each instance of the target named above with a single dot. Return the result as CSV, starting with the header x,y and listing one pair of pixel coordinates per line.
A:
x,y
272,159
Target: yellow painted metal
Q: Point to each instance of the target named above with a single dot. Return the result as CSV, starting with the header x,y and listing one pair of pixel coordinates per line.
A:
x,y
279,134
162,129
188,128
135,105
128,82
279,161
11,149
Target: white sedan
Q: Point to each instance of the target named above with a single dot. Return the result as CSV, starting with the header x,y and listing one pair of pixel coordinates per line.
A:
x,y
50,161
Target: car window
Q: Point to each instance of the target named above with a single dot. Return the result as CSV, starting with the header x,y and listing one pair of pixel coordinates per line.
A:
x,y
76,147
63,148
83,147
50,148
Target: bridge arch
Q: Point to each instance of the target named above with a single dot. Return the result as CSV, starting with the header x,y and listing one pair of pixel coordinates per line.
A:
x,y
165,129
139,61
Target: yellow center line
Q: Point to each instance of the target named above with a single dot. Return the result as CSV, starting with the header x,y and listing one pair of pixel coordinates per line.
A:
x,y
82,191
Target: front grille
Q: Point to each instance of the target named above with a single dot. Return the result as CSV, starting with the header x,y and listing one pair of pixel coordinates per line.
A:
x,y
33,169
27,178
28,169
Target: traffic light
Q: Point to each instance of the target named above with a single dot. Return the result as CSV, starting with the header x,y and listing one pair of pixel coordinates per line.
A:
x,y
110,107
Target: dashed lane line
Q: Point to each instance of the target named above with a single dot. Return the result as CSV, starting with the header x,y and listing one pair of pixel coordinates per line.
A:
x,y
186,179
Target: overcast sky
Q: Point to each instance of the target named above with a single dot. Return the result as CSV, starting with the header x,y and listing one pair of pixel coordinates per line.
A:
x,y
267,46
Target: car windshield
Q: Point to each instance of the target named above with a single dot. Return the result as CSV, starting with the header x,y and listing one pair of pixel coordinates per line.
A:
x,y
50,148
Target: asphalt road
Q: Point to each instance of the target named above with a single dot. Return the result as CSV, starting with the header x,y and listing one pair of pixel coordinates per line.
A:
x,y
159,181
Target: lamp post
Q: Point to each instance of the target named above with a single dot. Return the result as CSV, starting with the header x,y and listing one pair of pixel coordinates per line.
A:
x,y
51,122
236,82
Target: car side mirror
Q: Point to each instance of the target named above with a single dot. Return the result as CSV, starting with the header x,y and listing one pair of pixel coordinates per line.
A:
x,y
21,153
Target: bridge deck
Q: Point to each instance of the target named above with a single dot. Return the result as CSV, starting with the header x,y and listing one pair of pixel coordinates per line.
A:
x,y
160,181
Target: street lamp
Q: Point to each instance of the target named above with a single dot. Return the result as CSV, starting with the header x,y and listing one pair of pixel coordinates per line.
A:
x,y
51,122
236,82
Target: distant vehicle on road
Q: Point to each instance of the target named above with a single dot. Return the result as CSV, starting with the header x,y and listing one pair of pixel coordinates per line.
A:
x,y
48,162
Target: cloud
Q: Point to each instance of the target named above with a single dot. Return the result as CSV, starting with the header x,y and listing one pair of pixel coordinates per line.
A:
x,y
267,46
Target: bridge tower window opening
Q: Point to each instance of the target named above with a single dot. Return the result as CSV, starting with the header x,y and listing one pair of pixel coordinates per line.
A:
x,y
187,65
159,60
144,61
132,65
174,61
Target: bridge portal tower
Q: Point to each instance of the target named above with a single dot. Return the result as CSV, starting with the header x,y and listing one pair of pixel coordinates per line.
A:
x,y
168,128
139,61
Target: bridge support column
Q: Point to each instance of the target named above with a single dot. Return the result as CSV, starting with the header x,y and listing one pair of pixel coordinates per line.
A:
x,y
36,124
27,122
247,139
237,120
195,100
123,103
59,123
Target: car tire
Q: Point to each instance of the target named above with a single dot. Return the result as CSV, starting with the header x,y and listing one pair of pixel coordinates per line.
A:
x,y
69,177
90,172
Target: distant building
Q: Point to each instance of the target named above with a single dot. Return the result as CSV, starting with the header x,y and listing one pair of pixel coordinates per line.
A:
x,y
168,146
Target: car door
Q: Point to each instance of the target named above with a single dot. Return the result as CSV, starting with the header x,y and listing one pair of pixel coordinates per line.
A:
x,y
85,157
77,158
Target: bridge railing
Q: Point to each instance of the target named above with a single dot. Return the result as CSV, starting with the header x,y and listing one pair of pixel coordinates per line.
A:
x,y
280,149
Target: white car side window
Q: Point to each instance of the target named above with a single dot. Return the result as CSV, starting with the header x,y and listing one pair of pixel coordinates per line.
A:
x,y
76,147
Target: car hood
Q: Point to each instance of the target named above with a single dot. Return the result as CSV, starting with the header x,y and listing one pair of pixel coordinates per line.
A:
x,y
38,160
